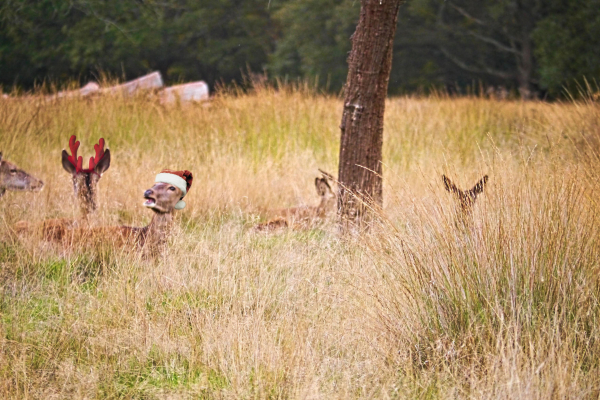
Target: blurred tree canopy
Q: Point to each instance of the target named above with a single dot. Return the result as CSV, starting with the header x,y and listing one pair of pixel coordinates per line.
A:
x,y
523,45
568,44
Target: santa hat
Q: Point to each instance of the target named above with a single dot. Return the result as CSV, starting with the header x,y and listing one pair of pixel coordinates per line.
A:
x,y
179,179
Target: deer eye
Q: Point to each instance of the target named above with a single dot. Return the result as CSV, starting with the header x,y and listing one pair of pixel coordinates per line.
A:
x,y
13,171
172,188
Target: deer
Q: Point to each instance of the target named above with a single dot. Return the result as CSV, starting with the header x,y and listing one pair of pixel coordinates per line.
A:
x,y
85,181
466,198
85,186
14,178
163,198
298,217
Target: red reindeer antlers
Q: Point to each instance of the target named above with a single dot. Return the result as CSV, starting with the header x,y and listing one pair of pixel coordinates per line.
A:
x,y
99,154
78,162
73,146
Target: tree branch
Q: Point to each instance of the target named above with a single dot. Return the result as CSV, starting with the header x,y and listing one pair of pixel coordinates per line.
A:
x,y
477,70
493,42
480,22
467,15
106,21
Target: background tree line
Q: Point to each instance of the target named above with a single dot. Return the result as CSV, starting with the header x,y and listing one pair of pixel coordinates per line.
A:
x,y
530,46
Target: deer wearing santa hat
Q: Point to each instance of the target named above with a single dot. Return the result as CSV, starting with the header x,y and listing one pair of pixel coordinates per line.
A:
x,y
163,198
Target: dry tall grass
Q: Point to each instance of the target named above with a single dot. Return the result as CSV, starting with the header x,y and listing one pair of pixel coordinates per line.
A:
x,y
416,308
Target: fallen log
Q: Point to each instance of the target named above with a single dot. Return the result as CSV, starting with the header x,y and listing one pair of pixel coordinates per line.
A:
x,y
146,82
193,91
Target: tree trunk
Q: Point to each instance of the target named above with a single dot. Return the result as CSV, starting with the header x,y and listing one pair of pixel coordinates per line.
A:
x,y
525,68
369,63
525,57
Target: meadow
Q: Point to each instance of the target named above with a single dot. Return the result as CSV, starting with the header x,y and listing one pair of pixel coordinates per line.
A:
x,y
415,307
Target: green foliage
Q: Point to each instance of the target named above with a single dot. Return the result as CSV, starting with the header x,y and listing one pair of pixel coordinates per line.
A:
x,y
534,44
161,370
315,40
183,39
567,44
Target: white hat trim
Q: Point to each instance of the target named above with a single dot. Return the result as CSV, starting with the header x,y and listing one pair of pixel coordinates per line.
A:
x,y
174,180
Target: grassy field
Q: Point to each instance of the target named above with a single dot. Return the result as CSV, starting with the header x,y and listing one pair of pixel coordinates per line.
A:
x,y
416,308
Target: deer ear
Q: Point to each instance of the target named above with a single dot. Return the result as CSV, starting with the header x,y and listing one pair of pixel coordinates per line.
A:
x,y
451,187
326,175
478,188
67,165
103,164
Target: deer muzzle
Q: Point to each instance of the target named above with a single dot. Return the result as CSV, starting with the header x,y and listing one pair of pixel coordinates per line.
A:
x,y
150,199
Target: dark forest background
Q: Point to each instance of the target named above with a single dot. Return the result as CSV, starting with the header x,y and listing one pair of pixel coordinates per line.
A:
x,y
531,47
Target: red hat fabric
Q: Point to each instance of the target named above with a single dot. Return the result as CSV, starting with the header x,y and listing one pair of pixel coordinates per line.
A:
x,y
181,179
185,175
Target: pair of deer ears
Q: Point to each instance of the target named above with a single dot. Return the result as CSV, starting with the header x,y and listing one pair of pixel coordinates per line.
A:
x,y
100,168
451,187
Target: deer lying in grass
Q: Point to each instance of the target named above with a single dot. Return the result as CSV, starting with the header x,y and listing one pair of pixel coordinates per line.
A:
x,y
165,196
466,198
85,186
14,178
299,217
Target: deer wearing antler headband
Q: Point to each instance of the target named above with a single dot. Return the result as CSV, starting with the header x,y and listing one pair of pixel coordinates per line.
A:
x,y
85,184
85,181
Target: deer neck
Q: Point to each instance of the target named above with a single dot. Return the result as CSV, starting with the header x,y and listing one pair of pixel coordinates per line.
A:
x,y
84,213
159,228
325,206
86,204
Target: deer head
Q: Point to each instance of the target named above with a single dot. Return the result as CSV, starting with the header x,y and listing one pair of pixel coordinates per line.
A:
x,y
466,198
162,197
168,191
14,178
85,181
328,197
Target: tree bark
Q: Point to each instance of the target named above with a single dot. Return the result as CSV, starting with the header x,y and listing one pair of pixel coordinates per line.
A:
x,y
369,65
